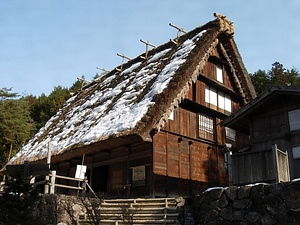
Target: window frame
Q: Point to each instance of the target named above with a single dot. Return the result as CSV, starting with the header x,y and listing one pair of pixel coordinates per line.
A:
x,y
171,116
230,133
296,152
294,124
219,73
206,127
218,98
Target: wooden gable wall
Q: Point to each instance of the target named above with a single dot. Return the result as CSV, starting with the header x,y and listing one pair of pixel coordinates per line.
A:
x,y
271,126
182,160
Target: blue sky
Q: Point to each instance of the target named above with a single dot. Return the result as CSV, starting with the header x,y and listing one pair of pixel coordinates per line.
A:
x,y
46,43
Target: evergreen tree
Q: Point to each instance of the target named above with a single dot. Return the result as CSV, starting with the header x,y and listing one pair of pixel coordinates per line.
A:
x,y
77,85
276,76
57,99
16,125
17,201
44,107
261,81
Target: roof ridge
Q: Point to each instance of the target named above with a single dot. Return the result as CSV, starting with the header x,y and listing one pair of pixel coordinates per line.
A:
x,y
222,22
225,24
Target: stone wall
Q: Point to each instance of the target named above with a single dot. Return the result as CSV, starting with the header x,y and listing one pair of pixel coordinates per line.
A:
x,y
61,209
256,204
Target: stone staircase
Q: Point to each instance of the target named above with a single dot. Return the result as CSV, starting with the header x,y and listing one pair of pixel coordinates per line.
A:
x,y
135,211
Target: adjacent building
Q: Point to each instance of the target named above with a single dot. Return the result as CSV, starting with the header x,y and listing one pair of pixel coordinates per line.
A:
x,y
271,119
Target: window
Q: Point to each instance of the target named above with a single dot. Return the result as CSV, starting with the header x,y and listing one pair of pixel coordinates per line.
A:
x,y
219,73
294,119
221,100
227,101
218,98
206,127
230,133
296,152
171,116
211,95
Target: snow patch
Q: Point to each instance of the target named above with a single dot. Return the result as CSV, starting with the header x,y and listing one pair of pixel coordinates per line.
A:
x,y
111,107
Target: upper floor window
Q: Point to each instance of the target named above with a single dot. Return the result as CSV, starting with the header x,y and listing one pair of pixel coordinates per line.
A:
x,y
230,133
294,119
218,98
219,73
296,152
171,116
206,127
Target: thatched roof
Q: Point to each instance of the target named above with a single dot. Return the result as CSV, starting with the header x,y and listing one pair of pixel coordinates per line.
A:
x,y
138,96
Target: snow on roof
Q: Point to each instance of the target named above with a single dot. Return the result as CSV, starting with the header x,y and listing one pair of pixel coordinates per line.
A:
x,y
111,105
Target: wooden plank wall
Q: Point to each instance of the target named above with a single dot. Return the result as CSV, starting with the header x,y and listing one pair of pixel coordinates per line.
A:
x,y
120,162
183,166
210,71
253,167
192,159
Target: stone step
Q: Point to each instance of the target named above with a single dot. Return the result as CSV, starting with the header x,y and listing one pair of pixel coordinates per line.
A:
x,y
138,200
136,222
141,211
137,216
138,205
137,210
141,203
134,215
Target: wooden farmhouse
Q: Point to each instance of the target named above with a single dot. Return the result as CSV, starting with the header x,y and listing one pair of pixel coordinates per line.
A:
x,y
151,127
272,121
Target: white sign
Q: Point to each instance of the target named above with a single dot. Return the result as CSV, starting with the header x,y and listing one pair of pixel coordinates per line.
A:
x,y
138,173
80,172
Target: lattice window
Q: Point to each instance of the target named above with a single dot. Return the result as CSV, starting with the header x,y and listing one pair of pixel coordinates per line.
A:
x,y
206,127
230,133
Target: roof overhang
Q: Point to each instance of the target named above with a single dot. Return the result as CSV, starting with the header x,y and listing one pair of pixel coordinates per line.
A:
x,y
240,119
100,146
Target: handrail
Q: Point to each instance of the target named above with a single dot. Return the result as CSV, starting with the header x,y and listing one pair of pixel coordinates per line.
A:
x,y
50,186
68,178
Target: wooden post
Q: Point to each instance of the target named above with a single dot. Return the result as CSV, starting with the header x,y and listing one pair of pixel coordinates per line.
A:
x,y
32,180
49,154
84,185
26,170
275,159
52,184
229,167
46,188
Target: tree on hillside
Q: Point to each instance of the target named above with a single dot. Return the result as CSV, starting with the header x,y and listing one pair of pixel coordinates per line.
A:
x,y
276,76
261,81
21,117
44,107
77,85
17,201
16,125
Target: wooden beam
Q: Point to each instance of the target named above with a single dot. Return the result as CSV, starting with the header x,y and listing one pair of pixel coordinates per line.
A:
x,y
220,87
195,107
122,159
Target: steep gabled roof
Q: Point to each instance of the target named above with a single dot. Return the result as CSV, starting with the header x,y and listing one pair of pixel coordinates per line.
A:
x,y
141,96
264,102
